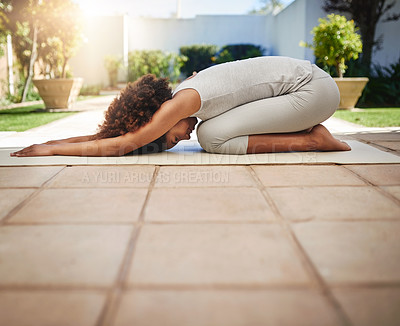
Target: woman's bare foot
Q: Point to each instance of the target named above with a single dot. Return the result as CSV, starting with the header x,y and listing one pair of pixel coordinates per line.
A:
x,y
321,139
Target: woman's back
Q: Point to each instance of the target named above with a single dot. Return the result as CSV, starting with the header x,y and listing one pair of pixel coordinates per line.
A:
x,y
228,85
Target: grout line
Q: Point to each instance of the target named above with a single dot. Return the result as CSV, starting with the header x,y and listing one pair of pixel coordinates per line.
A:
x,y
201,187
199,287
302,254
205,186
366,285
206,222
34,194
315,186
114,296
55,287
218,287
139,187
255,286
346,220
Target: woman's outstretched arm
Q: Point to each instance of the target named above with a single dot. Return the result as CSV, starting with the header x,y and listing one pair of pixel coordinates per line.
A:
x,y
184,104
78,139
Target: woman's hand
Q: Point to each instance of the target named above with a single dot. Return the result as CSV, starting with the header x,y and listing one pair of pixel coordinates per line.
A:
x,y
34,150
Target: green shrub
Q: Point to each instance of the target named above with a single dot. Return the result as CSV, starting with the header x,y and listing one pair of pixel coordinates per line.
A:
x,y
157,62
199,57
32,94
87,90
335,41
238,52
383,88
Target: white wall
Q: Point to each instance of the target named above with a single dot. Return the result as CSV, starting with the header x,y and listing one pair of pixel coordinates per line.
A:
x,y
171,34
103,36
289,30
279,34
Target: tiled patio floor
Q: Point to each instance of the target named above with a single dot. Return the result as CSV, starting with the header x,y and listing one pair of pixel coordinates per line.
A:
x,y
272,245
200,245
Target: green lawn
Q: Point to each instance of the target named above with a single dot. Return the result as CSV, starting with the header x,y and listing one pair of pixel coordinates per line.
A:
x,y
21,119
374,117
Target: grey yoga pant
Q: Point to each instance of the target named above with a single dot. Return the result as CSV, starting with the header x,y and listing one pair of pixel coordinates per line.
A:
x,y
311,104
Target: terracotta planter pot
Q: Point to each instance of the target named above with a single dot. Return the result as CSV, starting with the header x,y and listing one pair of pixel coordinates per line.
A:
x,y
350,91
58,93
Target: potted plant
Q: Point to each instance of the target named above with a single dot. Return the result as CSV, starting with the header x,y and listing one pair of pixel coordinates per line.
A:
x,y
112,64
58,40
335,42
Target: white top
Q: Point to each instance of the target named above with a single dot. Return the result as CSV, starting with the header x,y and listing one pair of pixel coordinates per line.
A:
x,y
228,85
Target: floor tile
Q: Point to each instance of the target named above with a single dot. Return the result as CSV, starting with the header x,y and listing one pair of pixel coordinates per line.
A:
x,y
383,174
27,176
9,198
393,190
214,204
104,176
304,203
67,255
371,306
41,308
215,253
225,308
378,136
305,175
82,206
204,176
353,251
393,145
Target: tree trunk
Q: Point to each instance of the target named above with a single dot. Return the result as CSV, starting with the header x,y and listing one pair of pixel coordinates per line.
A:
x,y
65,58
366,56
64,70
367,31
32,61
339,71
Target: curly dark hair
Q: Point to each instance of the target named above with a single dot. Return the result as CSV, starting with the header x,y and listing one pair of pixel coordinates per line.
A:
x,y
134,107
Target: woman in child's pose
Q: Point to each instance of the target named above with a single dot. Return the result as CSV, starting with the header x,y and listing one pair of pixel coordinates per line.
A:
x,y
258,105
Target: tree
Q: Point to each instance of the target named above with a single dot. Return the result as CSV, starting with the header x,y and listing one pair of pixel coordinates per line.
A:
x,y
45,29
269,7
3,28
366,14
19,18
59,37
335,41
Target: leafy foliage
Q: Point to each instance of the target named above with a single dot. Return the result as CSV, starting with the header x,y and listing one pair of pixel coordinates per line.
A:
x,y
383,88
366,14
59,36
7,99
16,17
238,52
199,57
335,41
269,7
90,90
57,24
3,29
157,62
112,64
